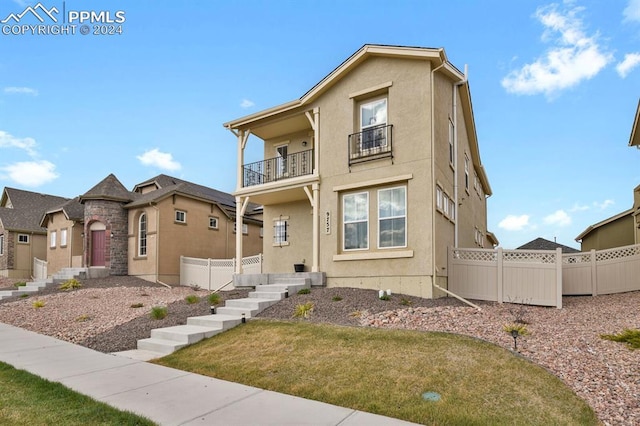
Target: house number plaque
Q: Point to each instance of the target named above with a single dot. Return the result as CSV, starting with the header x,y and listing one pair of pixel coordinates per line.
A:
x,y
327,223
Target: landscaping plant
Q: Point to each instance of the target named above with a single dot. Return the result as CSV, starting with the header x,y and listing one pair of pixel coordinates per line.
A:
x,y
69,285
159,312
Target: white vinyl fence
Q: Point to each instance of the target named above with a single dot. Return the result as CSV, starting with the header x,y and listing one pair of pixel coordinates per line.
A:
x,y
210,274
518,276
39,269
601,272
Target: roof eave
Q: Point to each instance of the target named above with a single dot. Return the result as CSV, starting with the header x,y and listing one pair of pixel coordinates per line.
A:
x,y
634,139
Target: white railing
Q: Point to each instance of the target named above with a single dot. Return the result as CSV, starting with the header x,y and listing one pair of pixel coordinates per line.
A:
x,y
518,276
39,269
210,274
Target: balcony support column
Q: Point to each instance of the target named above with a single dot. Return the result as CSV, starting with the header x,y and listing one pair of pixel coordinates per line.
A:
x,y
243,136
314,199
241,208
315,125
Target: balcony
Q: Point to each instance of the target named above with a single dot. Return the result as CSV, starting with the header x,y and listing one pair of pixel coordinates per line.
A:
x,y
371,144
278,168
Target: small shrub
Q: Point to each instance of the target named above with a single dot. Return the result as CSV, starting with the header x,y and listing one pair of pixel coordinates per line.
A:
x,y
23,296
304,291
83,318
38,304
519,310
304,310
158,312
405,302
70,285
137,305
214,299
191,299
385,297
336,298
356,314
21,284
629,336
516,329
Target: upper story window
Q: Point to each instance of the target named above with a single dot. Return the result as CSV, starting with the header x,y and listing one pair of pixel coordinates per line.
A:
x,y
63,237
355,210
23,238
1,244
181,216
451,137
245,228
466,172
142,235
52,239
373,119
213,222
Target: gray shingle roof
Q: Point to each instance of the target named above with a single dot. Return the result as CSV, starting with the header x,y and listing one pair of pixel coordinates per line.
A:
x,y
542,244
72,209
27,209
109,188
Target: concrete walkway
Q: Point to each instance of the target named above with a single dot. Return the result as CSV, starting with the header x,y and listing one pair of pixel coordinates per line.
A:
x,y
165,395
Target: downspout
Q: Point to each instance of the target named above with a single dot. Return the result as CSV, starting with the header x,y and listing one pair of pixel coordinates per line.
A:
x,y
455,156
433,182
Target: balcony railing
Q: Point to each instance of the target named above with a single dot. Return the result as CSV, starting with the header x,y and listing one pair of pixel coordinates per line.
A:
x,y
275,169
370,144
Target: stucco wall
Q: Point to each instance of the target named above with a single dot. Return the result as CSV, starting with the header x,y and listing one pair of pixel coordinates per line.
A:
x,y
614,234
62,256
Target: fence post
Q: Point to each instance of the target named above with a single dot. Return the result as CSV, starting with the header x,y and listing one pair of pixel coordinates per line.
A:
x,y
594,273
499,267
209,274
559,278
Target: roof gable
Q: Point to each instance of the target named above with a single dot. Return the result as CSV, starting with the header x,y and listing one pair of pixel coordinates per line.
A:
x,y
634,139
543,244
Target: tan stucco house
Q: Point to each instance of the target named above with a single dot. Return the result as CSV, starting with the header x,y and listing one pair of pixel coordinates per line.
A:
x,y
371,175
21,235
143,232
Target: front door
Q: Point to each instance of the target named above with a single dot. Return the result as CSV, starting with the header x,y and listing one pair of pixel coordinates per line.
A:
x,y
98,246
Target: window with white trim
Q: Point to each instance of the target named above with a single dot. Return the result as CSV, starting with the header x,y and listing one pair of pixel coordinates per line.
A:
x,y
452,209
52,239
445,204
439,197
213,222
355,214
63,237
392,217
451,137
280,232
142,235
245,228
1,244
181,216
466,172
23,238
373,118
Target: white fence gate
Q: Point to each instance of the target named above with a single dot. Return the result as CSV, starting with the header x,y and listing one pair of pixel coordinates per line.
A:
x,y
210,274
39,269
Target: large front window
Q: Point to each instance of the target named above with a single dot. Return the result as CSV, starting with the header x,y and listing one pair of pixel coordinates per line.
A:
x,y
356,221
392,217
280,232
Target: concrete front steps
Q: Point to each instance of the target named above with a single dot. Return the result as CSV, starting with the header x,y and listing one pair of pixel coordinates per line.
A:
x,y
164,341
57,278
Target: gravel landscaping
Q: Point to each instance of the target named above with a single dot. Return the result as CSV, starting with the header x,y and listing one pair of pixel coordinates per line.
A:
x,y
565,341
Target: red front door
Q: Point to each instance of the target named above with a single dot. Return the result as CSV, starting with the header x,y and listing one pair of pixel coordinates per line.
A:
x,y
97,248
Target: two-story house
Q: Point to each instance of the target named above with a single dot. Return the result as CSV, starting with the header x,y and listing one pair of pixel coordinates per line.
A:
x,y
371,175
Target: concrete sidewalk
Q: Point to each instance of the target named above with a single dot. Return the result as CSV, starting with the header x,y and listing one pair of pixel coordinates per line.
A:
x,y
165,395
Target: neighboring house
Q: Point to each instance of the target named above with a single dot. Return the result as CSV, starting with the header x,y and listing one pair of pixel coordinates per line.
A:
x,y
143,233
372,174
543,244
622,229
65,224
21,235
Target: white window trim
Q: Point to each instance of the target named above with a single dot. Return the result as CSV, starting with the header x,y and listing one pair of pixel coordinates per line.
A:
x,y
146,236
63,237
285,241
466,173
451,147
217,222
393,217
344,222
23,235
184,213
52,239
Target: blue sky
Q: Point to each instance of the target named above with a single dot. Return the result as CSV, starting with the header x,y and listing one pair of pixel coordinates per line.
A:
x,y
555,87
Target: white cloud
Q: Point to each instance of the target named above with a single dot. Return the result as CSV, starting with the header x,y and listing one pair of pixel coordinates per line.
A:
x,y
630,61
30,173
574,57
632,11
161,160
514,223
9,141
559,218
579,208
603,205
21,90
246,103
